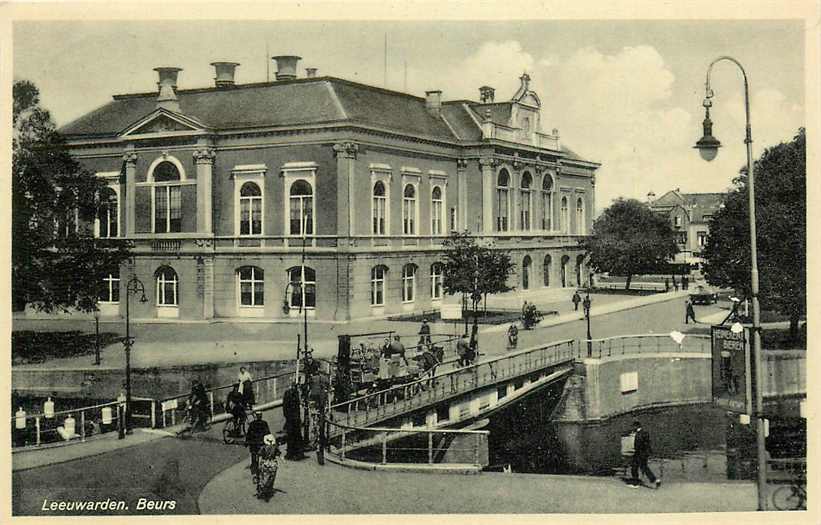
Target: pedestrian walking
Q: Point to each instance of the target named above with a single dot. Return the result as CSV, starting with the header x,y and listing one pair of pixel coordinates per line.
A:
x,y
690,312
576,300
524,309
424,332
463,349
268,466
685,282
257,430
642,450
666,284
675,284
246,386
293,426
512,336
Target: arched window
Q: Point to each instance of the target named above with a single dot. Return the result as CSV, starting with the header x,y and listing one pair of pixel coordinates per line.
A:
x,y
110,291
167,198
525,206
250,209
303,287
581,226
378,285
302,208
251,285
108,213
379,208
409,210
502,201
168,286
546,268
579,269
436,272
565,261
436,211
564,217
547,202
408,283
526,263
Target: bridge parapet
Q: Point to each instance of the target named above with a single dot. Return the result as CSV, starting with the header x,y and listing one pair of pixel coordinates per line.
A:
x,y
646,344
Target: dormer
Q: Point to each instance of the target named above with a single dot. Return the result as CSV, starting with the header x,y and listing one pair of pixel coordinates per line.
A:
x,y
526,110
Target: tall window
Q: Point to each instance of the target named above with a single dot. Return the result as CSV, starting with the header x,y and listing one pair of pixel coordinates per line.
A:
x,y
408,283
702,239
167,198
251,283
302,208
409,210
564,217
107,213
436,211
303,287
546,268
579,269
581,226
526,263
378,285
453,219
436,281
379,208
547,202
110,291
167,287
565,261
250,209
502,201
524,212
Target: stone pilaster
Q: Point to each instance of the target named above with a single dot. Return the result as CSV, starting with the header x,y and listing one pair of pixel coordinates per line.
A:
x,y
461,194
346,153
130,163
204,159
488,186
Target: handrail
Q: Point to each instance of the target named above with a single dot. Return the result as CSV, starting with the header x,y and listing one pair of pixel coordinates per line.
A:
x,y
231,385
412,429
79,409
648,336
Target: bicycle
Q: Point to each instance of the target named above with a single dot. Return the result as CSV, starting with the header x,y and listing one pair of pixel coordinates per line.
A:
x,y
791,497
234,428
194,420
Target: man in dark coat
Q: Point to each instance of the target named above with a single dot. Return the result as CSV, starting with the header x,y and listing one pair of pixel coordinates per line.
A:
x,y
293,426
640,456
576,300
424,332
690,312
257,430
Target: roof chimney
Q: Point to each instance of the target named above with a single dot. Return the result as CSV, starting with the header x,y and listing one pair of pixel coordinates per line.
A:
x,y
167,85
286,66
433,102
225,73
486,94
310,72
651,197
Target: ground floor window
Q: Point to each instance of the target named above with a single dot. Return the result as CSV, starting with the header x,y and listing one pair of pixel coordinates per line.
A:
x,y
251,283
167,287
436,281
302,289
408,283
110,292
378,285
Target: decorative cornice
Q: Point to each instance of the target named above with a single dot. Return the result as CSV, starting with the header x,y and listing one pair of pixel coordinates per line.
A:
x,y
202,243
348,150
130,157
204,155
488,161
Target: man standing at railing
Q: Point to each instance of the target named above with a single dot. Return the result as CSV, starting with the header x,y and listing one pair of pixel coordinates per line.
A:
x,y
293,426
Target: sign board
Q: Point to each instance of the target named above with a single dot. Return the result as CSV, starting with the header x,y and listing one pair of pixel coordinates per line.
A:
x,y
733,369
451,311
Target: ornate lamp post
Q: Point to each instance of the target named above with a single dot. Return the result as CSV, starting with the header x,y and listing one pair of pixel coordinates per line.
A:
x,y
134,286
708,148
97,336
587,303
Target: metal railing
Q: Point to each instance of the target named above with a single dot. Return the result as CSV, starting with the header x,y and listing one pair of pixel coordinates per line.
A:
x,y
639,344
421,445
446,384
78,424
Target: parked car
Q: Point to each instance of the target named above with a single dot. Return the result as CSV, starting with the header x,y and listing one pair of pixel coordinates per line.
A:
x,y
704,295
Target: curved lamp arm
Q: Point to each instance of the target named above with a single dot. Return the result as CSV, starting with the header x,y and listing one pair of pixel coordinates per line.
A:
x,y
709,92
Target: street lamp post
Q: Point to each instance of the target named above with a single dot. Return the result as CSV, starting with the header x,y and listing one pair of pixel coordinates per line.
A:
x,y
133,286
708,148
587,303
97,336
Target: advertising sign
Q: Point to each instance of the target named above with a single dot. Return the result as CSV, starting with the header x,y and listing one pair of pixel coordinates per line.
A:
x,y
732,369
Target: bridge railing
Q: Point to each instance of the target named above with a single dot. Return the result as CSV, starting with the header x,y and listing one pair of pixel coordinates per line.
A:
x,y
445,384
377,445
645,343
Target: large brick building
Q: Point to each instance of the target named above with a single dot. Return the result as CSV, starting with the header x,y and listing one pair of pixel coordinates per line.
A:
x,y
219,187
690,215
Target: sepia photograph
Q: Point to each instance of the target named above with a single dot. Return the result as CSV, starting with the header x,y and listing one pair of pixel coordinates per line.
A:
x,y
327,265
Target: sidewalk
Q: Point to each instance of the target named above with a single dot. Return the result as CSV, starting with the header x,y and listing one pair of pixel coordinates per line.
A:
x,y
304,487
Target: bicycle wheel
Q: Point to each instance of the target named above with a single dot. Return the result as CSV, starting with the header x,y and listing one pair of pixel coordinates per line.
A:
x,y
227,430
786,498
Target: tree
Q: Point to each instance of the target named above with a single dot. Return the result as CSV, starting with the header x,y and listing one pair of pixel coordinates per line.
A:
x,y
780,202
629,238
474,270
56,262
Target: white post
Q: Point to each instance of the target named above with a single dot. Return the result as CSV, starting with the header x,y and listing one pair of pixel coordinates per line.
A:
x,y
82,425
37,428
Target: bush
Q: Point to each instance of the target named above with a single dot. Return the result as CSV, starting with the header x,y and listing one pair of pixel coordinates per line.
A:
x,y
36,347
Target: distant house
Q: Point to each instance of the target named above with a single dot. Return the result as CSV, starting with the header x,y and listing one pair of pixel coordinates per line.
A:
x,y
690,215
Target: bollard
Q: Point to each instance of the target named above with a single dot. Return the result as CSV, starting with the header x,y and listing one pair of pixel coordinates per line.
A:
x,y
82,425
153,414
343,443
37,428
48,408
20,419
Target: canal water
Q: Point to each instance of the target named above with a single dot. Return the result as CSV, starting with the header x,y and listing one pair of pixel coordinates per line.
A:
x,y
692,443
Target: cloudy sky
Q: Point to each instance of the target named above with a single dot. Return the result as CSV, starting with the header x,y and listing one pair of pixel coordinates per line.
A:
x,y
624,93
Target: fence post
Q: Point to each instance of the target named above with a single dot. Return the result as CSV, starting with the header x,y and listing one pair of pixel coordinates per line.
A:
x,y
37,429
384,447
430,447
343,443
153,413
276,391
173,417
211,400
82,425
476,444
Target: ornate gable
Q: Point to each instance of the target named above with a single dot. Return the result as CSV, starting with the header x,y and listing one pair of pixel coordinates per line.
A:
x,y
163,122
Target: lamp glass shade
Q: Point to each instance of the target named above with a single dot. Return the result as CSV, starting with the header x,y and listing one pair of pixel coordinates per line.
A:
x,y
143,299
707,153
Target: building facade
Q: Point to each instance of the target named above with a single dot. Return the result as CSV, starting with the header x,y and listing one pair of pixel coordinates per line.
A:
x,y
690,215
255,200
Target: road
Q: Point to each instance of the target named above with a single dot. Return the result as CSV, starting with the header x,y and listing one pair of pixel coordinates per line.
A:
x,y
171,468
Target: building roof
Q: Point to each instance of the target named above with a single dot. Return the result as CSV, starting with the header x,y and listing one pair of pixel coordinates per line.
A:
x,y
697,205
299,102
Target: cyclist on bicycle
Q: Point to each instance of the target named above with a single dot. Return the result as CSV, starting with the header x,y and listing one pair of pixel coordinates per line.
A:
x,y
235,404
197,405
